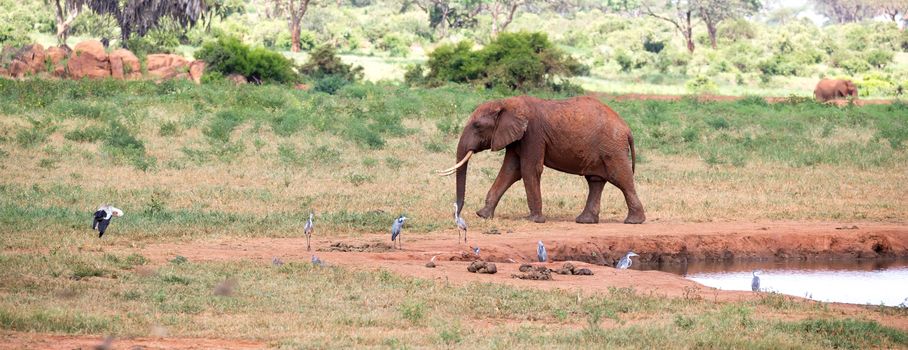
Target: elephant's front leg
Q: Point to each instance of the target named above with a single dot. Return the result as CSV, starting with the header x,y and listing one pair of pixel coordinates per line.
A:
x,y
507,176
531,170
590,214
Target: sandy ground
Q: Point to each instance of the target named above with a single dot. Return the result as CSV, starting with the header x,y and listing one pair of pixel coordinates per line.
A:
x,y
590,246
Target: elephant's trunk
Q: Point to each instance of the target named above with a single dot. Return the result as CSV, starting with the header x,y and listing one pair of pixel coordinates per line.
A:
x,y
461,175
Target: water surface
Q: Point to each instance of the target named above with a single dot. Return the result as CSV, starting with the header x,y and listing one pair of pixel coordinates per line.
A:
x,y
874,282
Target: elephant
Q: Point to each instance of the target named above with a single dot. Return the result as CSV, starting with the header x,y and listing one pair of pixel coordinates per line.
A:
x,y
831,89
579,136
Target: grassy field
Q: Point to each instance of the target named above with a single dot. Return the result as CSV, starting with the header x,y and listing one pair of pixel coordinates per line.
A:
x,y
189,162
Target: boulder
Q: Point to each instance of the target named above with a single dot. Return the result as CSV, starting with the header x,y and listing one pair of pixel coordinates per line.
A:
x,y
124,65
482,267
18,69
237,79
33,57
55,57
196,69
167,66
88,60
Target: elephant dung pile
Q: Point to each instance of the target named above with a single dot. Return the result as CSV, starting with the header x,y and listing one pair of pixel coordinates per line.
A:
x,y
482,267
530,272
570,269
374,247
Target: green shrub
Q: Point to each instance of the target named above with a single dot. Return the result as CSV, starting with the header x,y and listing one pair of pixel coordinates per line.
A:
x,y
88,134
513,60
875,85
329,84
229,55
169,128
855,65
701,84
394,45
879,58
324,62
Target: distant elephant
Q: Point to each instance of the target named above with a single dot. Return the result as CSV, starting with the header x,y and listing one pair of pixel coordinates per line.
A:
x,y
578,136
831,89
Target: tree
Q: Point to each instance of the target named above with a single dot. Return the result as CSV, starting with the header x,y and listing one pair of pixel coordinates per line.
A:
x,y
715,11
140,16
844,11
448,14
892,8
679,13
65,15
502,13
297,9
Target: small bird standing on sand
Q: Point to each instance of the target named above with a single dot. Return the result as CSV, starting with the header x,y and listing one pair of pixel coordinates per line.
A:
x,y
475,250
755,282
277,261
103,216
308,230
626,261
395,230
541,253
316,261
461,225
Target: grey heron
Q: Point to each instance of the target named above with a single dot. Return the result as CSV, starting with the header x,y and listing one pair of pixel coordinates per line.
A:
x,y
103,215
755,282
541,253
396,228
461,225
626,261
308,231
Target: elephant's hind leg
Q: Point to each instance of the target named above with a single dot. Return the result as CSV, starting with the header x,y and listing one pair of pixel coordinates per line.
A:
x,y
622,176
590,214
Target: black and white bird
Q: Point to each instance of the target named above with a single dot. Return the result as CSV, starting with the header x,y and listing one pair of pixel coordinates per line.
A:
x,y
308,231
396,230
103,216
541,253
626,261
755,281
461,225
475,250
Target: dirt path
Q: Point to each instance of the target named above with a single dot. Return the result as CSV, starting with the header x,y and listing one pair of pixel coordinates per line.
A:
x,y
590,246
22,340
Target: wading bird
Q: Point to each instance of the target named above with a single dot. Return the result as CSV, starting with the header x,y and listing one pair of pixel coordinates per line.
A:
x,y
755,282
308,230
541,253
395,230
626,261
103,215
461,225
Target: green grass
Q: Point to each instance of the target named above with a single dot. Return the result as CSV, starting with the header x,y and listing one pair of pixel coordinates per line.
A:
x,y
299,303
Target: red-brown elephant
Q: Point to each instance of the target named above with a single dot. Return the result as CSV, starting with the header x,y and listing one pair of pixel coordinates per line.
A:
x,y
832,89
578,136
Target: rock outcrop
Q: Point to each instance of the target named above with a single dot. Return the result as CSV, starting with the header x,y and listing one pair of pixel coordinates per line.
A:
x,y
90,60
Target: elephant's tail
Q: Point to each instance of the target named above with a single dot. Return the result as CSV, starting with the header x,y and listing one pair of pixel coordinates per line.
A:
x,y
630,142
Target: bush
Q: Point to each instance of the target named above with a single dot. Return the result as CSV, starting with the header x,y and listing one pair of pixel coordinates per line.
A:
x,y
513,60
701,84
323,62
228,56
876,85
879,58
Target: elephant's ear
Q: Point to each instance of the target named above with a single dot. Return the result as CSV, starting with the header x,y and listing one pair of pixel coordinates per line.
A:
x,y
511,123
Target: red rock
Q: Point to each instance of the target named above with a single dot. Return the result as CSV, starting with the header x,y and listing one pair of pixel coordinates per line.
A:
x,y
88,60
237,79
55,57
196,69
18,69
166,66
128,66
33,57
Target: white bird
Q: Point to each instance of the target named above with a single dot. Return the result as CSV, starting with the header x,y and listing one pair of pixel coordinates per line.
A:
x,y
461,225
755,282
396,228
626,261
308,230
475,250
541,253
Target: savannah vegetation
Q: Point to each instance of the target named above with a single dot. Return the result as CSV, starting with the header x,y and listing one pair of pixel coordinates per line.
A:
x,y
195,162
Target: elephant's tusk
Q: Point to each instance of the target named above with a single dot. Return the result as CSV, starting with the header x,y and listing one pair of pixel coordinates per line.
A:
x,y
451,170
